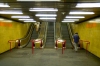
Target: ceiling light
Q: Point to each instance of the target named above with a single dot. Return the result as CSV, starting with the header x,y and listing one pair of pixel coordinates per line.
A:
x,y
38,0
86,5
10,12
98,20
81,13
44,10
71,19
16,8
20,17
47,18
6,21
74,17
4,5
1,19
25,19
29,21
68,21
45,15
93,21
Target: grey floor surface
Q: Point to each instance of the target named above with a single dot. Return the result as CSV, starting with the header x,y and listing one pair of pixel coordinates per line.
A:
x,y
47,57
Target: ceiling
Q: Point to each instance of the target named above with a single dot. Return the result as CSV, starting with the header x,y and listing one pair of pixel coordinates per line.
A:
x,y
64,7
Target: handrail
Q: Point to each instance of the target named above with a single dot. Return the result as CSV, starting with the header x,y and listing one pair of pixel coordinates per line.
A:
x,y
31,26
58,31
39,32
54,31
87,44
43,31
70,33
26,39
11,43
28,31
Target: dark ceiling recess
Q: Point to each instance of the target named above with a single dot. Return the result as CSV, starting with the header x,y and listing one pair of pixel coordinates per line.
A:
x,y
64,8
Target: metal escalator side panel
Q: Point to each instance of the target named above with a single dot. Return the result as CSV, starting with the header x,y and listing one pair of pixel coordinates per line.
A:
x,y
66,35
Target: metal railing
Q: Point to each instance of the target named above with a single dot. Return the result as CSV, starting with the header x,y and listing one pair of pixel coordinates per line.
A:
x,y
25,40
58,31
70,31
43,31
54,31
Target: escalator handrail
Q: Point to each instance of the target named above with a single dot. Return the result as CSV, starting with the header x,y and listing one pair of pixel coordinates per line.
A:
x,y
43,32
29,34
30,29
54,31
45,35
70,32
58,31
39,32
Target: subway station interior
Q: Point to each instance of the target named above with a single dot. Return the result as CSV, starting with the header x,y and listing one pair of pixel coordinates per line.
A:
x,y
41,32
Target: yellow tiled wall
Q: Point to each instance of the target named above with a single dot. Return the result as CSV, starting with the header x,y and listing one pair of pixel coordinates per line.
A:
x,y
91,32
14,31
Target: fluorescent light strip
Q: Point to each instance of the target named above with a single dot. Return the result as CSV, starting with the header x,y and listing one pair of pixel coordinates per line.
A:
x,y
71,19
45,15
44,10
29,21
98,20
74,17
47,18
86,5
81,13
5,12
38,0
94,22
25,19
6,21
20,17
16,8
68,21
4,5
1,19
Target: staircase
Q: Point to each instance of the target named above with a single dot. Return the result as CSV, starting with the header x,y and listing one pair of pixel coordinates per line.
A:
x,y
50,36
65,35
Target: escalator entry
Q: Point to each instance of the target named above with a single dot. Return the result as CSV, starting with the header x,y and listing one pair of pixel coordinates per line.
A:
x,y
37,43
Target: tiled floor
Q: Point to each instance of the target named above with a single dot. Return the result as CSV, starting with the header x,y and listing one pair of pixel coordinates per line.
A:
x,y
47,57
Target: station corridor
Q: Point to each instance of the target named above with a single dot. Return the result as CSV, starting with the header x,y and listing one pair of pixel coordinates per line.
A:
x,y
49,32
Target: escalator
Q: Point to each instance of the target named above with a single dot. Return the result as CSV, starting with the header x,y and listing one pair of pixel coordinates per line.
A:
x,y
34,36
66,35
50,35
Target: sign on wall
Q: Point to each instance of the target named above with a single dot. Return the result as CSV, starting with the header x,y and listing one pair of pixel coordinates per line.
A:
x,y
91,25
5,24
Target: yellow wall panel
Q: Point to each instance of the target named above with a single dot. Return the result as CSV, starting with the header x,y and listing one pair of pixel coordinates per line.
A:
x,y
13,32
91,32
